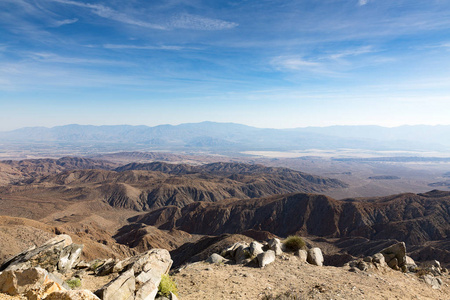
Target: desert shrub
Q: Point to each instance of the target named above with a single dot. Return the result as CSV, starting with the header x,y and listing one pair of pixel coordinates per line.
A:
x,y
167,285
74,283
294,243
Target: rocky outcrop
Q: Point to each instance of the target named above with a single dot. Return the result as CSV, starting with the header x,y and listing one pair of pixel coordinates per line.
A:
x,y
134,278
56,254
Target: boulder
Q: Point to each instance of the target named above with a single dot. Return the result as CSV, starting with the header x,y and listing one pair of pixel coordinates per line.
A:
x,y
433,281
315,256
121,288
409,261
255,248
275,245
72,295
106,268
378,258
15,282
44,290
393,264
56,253
230,251
149,289
216,259
396,251
302,255
241,254
266,258
69,257
157,260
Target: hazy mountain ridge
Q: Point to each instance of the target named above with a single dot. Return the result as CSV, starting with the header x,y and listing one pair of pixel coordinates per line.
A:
x,y
239,137
161,184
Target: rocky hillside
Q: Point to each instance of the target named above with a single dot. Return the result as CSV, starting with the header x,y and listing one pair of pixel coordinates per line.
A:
x,y
160,184
19,170
413,218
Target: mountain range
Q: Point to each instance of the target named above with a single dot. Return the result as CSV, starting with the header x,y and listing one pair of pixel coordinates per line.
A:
x,y
237,137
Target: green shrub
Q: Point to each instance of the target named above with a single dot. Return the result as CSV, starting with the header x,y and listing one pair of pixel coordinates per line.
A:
x,y
167,285
294,243
74,283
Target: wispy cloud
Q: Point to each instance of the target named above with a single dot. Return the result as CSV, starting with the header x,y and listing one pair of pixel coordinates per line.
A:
x,y
65,22
146,47
362,2
295,64
47,57
181,21
188,21
109,13
352,52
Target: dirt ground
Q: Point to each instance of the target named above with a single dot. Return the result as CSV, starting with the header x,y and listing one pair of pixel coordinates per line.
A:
x,y
288,276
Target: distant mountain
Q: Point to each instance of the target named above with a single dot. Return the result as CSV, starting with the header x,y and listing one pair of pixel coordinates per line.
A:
x,y
237,137
148,186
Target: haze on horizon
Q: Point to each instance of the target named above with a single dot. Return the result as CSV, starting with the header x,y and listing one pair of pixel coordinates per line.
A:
x,y
267,64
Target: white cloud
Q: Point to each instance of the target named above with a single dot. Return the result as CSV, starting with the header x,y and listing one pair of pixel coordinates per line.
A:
x,y
183,21
352,52
147,47
65,22
109,13
294,63
362,2
188,21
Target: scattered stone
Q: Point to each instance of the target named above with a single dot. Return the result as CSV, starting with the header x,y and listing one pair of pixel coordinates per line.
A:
x,y
275,245
255,248
433,281
216,259
266,258
72,295
409,261
368,259
378,258
302,255
241,254
393,264
315,256
106,268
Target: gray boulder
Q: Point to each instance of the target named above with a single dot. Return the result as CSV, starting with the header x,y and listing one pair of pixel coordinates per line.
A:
x,y
397,252
315,256
121,288
433,281
302,255
266,258
378,258
57,253
69,257
216,259
255,248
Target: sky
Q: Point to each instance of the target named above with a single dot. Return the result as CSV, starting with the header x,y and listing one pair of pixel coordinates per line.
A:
x,y
264,63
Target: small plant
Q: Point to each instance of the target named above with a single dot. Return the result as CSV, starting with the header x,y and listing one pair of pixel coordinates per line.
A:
x,y
167,285
74,283
294,243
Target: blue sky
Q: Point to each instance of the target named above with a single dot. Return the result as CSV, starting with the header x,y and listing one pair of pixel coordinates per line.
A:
x,y
264,63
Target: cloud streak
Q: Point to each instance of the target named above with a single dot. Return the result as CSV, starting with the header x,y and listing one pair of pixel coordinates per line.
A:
x,y
180,21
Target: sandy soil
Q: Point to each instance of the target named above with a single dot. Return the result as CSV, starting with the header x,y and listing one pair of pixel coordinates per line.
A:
x,y
222,281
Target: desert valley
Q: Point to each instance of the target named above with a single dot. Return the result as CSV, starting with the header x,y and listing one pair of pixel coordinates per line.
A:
x,y
349,204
